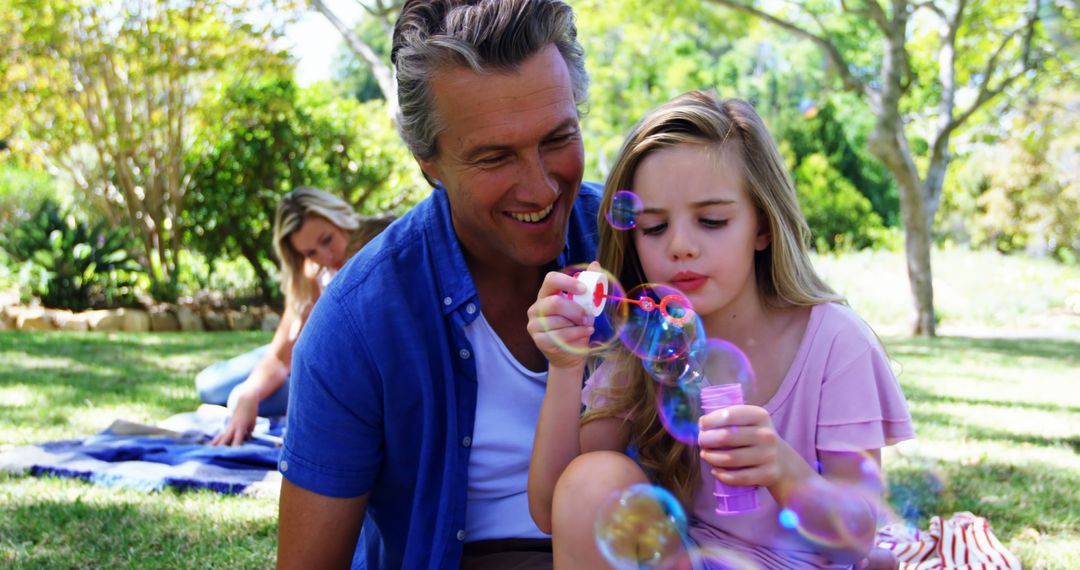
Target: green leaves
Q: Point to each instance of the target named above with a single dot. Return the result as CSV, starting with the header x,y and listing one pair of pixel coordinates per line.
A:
x,y
70,264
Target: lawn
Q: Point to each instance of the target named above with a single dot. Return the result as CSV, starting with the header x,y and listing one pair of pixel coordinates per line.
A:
x,y
997,413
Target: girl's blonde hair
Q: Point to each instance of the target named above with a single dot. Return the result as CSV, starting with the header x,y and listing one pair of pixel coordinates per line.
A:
x,y
783,271
292,211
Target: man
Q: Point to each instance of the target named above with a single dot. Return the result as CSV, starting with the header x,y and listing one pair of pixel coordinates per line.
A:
x,y
416,386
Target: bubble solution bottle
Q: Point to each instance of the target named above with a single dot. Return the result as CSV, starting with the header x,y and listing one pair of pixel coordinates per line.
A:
x,y
730,499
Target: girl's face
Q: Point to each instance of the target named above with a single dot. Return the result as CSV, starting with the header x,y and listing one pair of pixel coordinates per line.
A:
x,y
321,242
698,230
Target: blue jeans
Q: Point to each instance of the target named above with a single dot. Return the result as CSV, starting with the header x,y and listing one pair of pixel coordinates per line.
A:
x,y
217,381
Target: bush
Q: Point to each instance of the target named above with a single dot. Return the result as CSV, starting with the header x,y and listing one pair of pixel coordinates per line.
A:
x,y
69,264
840,217
22,192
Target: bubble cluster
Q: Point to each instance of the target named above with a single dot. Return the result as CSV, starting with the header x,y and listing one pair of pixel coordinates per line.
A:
x,y
624,211
641,527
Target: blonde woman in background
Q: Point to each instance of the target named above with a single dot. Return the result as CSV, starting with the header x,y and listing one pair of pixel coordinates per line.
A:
x,y
315,233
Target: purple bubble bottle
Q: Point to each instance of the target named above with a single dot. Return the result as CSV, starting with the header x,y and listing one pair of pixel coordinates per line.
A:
x,y
730,499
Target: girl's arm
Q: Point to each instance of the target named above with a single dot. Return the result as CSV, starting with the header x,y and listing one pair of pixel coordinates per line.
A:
x,y
556,322
267,376
840,503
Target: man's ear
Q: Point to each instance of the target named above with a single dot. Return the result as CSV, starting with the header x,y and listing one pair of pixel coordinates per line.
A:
x,y
431,170
764,235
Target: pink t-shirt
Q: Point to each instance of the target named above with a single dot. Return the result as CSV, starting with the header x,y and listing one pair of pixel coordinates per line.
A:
x,y
838,395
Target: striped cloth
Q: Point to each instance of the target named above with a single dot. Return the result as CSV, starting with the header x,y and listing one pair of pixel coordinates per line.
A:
x,y
963,542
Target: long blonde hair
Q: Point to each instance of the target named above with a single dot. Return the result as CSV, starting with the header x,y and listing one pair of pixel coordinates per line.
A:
x,y
292,211
783,272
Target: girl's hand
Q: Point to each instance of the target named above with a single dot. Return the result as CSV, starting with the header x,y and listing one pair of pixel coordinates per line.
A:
x,y
557,322
741,445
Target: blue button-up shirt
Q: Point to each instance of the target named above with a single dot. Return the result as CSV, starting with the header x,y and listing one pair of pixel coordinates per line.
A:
x,y
383,386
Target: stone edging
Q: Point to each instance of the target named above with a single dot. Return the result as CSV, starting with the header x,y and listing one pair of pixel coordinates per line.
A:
x,y
162,319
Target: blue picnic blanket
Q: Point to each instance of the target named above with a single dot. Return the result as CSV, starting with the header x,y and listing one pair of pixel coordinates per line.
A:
x,y
153,458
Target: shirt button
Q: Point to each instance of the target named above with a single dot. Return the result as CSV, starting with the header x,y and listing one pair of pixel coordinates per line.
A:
x,y
466,441
461,535
470,308
463,353
284,466
447,301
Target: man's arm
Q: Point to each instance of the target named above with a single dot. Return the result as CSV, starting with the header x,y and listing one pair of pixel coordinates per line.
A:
x,y
316,531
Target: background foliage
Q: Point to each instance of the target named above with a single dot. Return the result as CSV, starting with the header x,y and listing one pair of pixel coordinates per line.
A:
x,y
251,133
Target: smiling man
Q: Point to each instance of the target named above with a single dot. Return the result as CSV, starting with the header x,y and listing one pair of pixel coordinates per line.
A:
x,y
416,385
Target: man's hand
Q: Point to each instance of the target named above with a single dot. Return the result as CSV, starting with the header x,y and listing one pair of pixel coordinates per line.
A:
x,y
244,405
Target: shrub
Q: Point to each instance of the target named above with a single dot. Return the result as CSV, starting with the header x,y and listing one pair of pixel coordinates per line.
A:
x,y
840,217
70,264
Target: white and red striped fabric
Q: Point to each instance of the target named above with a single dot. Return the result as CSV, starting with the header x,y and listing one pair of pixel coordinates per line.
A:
x,y
963,542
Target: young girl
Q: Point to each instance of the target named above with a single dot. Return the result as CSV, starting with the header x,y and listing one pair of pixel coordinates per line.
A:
x,y
720,221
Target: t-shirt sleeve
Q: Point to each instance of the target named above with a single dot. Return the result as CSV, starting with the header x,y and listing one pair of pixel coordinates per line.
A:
x,y
592,396
333,441
862,406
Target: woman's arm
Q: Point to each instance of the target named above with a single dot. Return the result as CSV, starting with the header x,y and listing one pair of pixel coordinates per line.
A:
x,y
267,376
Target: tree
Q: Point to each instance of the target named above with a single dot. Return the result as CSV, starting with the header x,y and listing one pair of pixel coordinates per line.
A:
x,y
273,137
914,81
107,95
385,13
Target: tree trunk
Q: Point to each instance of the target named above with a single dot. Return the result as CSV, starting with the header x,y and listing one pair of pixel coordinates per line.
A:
x,y
266,284
891,149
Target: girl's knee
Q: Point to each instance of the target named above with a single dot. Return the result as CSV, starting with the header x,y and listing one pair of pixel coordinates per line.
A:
x,y
591,477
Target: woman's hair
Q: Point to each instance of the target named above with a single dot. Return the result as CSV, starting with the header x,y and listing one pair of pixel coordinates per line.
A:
x,y
783,271
483,35
292,211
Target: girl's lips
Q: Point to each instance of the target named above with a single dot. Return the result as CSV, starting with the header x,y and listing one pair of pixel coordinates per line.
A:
x,y
689,284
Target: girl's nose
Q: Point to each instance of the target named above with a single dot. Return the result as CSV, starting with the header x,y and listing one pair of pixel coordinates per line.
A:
x,y
682,245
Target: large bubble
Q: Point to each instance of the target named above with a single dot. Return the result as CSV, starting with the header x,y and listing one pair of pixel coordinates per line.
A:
x,y
843,499
610,320
624,211
660,324
679,406
641,527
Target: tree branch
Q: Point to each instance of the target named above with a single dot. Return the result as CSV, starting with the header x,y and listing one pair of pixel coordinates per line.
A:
x,y
851,83
383,75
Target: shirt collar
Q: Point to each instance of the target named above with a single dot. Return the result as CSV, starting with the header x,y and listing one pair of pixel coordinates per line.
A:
x,y
455,284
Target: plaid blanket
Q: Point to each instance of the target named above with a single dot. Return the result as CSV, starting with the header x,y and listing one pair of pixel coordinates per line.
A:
x,y
153,458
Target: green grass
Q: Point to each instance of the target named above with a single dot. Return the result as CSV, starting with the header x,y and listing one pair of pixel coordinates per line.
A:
x,y
62,385
997,416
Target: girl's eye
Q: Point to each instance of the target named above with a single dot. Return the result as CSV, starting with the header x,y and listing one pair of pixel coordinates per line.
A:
x,y
325,240
654,230
713,223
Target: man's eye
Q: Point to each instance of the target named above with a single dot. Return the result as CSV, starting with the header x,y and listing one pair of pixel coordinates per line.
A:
x,y
491,160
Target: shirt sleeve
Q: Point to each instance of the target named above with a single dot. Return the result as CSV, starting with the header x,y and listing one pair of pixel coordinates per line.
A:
x,y
333,441
601,378
862,406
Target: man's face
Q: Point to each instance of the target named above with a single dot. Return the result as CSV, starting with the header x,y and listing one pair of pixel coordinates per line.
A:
x,y
510,157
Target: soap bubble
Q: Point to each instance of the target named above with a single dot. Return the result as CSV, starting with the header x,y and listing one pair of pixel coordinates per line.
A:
x,y
641,527
624,210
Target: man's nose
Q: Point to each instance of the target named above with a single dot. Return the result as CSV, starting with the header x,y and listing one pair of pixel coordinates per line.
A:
x,y
536,180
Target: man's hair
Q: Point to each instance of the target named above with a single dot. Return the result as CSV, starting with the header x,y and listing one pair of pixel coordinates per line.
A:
x,y
483,35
